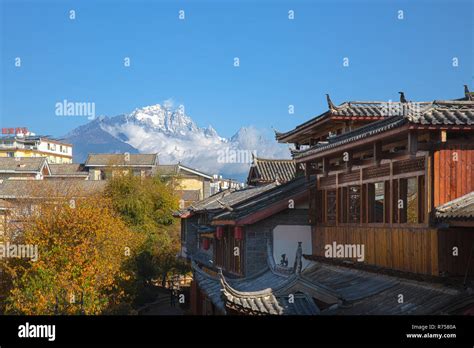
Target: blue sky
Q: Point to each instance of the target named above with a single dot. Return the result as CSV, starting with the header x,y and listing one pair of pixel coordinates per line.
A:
x,y
282,61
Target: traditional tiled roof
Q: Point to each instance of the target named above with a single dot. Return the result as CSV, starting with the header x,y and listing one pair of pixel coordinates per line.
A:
x,y
167,169
266,293
461,208
438,112
179,169
338,290
445,112
228,198
123,159
265,200
265,302
269,170
68,169
369,110
366,293
183,168
328,289
22,164
18,189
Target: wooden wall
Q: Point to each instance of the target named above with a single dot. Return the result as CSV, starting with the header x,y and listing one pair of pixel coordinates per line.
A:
x,y
463,239
401,248
453,178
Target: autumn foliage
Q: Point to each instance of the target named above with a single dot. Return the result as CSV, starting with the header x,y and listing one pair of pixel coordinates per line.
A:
x,y
99,253
83,247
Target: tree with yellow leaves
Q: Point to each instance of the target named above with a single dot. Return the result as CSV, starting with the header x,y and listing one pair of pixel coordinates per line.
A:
x,y
84,247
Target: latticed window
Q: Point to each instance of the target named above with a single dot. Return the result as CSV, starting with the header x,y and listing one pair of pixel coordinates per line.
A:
x,y
331,199
354,204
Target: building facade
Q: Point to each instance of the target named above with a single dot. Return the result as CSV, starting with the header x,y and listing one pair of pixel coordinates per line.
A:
x,y
20,145
380,184
390,213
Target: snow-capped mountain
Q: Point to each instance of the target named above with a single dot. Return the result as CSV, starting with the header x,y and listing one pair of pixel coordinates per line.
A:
x,y
175,137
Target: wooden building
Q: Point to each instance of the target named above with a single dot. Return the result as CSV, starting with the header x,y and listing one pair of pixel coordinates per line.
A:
x,y
377,172
377,176
229,232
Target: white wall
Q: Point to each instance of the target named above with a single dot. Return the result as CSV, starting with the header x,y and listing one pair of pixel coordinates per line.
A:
x,y
285,241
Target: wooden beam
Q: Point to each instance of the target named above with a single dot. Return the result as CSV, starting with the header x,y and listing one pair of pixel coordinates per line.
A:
x,y
412,143
377,153
326,166
384,136
397,155
348,163
444,136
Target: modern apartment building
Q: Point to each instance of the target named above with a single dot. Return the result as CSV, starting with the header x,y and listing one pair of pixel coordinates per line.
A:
x,y
23,145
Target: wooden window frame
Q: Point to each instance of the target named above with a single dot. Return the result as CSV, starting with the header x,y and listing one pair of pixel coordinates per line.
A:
x,y
392,191
224,252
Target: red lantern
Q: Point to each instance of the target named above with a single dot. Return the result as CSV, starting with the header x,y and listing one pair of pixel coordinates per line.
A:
x,y
205,244
219,232
238,233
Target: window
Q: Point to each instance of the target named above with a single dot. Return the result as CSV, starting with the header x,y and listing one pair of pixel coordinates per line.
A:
x,y
354,204
224,252
376,197
331,206
409,202
342,204
400,200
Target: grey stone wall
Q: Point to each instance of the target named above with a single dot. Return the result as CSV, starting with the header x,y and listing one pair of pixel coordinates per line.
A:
x,y
192,244
256,237
191,234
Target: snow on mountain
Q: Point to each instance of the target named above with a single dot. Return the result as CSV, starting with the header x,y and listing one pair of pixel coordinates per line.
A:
x,y
175,137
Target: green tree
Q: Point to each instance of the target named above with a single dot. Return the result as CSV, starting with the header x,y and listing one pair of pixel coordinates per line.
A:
x,y
147,204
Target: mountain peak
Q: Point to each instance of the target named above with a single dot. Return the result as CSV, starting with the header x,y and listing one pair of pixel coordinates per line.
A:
x,y
163,118
164,129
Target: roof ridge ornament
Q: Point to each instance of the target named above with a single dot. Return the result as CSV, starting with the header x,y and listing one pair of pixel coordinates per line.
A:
x,y
402,98
331,106
467,93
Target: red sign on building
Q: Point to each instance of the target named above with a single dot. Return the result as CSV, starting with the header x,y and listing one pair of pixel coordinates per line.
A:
x,y
17,130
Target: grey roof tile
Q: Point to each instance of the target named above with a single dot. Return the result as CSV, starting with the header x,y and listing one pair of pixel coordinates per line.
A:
x,y
461,208
269,170
68,169
103,159
21,164
15,189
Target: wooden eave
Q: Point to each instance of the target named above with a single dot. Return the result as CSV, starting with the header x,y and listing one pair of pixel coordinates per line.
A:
x,y
306,131
441,127
354,144
303,135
